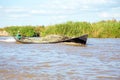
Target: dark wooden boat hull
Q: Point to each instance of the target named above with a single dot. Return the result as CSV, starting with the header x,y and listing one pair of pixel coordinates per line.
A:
x,y
81,40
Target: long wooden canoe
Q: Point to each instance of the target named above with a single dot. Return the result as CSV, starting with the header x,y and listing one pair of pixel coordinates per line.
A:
x,y
81,40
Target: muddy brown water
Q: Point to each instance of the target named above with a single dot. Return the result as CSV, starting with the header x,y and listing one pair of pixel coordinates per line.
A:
x,y
98,60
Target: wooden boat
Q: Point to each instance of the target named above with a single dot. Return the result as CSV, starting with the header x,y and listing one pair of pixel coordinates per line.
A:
x,y
81,40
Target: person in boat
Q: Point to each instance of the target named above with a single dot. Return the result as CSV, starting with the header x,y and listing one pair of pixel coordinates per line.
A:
x,y
18,36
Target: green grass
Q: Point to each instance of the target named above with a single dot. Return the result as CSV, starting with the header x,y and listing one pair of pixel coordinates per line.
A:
x,y
101,29
24,30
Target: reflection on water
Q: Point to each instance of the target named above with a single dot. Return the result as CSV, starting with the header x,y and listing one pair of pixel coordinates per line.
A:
x,y
98,60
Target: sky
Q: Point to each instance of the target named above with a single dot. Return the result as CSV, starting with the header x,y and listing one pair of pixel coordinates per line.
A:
x,y
50,12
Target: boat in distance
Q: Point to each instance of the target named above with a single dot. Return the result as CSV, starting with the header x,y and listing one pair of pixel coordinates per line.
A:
x,y
27,40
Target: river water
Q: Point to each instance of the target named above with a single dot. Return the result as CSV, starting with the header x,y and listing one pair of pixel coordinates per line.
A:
x,y
98,60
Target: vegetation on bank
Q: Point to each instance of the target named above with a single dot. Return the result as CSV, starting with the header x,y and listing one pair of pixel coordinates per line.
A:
x,y
101,29
1,29
27,31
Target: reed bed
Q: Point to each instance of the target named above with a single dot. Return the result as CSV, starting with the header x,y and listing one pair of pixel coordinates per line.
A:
x,y
101,29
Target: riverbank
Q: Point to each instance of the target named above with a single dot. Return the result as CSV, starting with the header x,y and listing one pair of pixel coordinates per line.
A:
x,y
101,29
4,33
